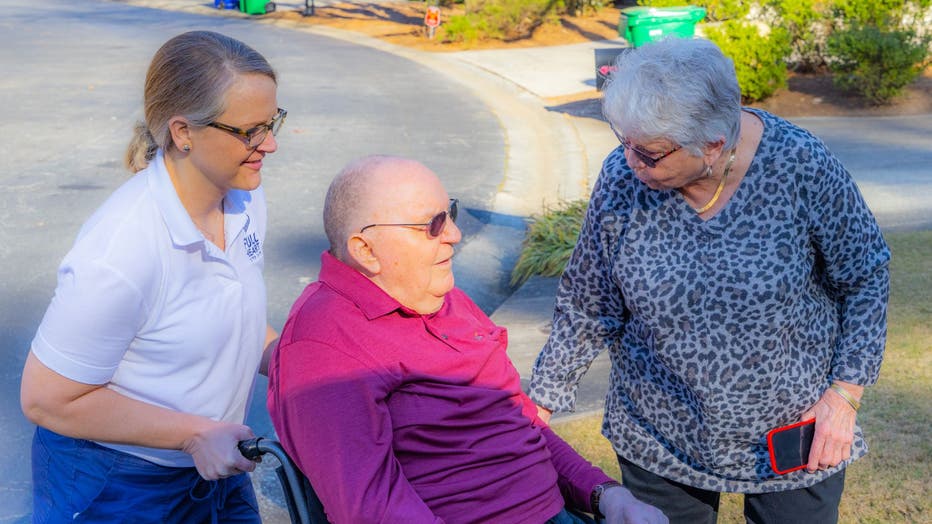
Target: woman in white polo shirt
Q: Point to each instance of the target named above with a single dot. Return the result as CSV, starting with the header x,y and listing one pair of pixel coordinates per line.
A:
x,y
141,371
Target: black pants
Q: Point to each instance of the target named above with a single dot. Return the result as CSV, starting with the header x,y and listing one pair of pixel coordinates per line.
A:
x,y
817,504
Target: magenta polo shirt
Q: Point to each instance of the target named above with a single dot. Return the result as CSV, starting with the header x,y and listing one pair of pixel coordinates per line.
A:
x,y
396,416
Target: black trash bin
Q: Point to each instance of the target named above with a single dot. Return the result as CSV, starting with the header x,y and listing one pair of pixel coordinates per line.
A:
x,y
605,63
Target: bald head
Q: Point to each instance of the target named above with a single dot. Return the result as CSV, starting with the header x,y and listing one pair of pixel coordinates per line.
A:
x,y
395,200
370,190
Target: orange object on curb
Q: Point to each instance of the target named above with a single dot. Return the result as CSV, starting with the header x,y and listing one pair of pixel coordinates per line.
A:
x,y
432,17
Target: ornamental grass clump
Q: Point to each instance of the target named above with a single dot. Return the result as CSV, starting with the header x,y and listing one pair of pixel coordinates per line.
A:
x,y
549,241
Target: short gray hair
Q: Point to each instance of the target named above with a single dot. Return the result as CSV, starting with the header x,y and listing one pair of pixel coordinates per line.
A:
x,y
683,90
347,199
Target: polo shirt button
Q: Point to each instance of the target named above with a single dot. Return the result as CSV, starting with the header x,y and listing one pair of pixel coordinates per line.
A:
x,y
444,337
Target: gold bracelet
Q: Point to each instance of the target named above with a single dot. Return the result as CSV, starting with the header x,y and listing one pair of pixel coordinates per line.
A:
x,y
843,393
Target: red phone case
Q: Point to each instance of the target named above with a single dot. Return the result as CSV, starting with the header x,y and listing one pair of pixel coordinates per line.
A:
x,y
803,441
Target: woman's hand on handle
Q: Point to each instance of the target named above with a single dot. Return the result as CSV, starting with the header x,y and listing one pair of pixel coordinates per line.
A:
x,y
215,450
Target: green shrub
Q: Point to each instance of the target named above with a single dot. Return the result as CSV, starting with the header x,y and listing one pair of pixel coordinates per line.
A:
x,y
549,241
461,28
759,59
874,63
884,14
716,10
807,23
500,19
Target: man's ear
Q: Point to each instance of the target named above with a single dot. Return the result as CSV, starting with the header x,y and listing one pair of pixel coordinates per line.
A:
x,y
360,252
181,132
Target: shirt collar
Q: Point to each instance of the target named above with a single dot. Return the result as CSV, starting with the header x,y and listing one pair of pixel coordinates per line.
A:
x,y
372,300
179,223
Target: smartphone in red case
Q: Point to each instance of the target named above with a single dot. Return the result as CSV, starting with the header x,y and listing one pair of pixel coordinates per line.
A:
x,y
789,446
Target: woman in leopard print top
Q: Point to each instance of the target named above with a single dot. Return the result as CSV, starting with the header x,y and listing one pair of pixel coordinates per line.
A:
x,y
731,268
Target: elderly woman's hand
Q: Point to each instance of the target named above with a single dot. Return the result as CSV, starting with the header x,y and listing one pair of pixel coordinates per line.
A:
x,y
834,429
621,507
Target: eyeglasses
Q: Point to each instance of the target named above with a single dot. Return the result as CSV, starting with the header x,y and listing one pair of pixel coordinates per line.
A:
x,y
648,158
434,226
254,136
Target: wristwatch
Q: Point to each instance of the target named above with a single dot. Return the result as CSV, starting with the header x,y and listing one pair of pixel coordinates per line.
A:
x,y
596,496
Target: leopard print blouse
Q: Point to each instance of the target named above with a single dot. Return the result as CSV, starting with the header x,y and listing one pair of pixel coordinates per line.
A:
x,y
721,330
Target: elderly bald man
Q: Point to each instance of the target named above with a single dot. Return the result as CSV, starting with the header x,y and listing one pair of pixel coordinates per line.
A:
x,y
392,390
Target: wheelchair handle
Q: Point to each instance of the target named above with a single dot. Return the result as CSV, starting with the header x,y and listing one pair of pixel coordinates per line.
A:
x,y
302,505
250,448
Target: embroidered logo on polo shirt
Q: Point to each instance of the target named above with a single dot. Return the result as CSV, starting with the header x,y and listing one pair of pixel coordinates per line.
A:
x,y
253,246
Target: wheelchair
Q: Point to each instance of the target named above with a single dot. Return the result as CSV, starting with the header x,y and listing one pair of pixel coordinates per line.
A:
x,y
304,506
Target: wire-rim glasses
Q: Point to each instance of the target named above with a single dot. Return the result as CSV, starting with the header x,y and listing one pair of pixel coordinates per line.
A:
x,y
434,226
646,157
254,136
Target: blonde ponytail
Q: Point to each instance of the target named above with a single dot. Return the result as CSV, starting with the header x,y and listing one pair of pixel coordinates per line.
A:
x,y
142,148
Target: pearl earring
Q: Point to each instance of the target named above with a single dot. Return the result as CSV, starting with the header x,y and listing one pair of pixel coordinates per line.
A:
x,y
186,147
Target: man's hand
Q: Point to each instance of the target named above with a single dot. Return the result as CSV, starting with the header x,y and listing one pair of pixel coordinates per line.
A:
x,y
620,507
215,450
834,429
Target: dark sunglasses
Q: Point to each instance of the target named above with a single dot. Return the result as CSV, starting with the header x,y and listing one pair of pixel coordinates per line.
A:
x,y
254,136
646,157
436,224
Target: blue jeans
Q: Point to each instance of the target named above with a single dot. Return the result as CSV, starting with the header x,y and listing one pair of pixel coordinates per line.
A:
x,y
77,480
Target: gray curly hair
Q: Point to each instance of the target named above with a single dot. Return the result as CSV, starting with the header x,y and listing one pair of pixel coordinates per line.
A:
x,y
683,90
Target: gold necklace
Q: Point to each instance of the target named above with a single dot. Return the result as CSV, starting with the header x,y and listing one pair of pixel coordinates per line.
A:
x,y
721,186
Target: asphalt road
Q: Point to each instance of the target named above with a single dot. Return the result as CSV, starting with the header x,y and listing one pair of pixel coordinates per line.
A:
x,y
72,86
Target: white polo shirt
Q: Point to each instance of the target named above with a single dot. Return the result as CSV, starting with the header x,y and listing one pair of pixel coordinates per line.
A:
x,y
149,307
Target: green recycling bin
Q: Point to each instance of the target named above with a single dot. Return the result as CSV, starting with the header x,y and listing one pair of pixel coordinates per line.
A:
x,y
256,7
640,25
